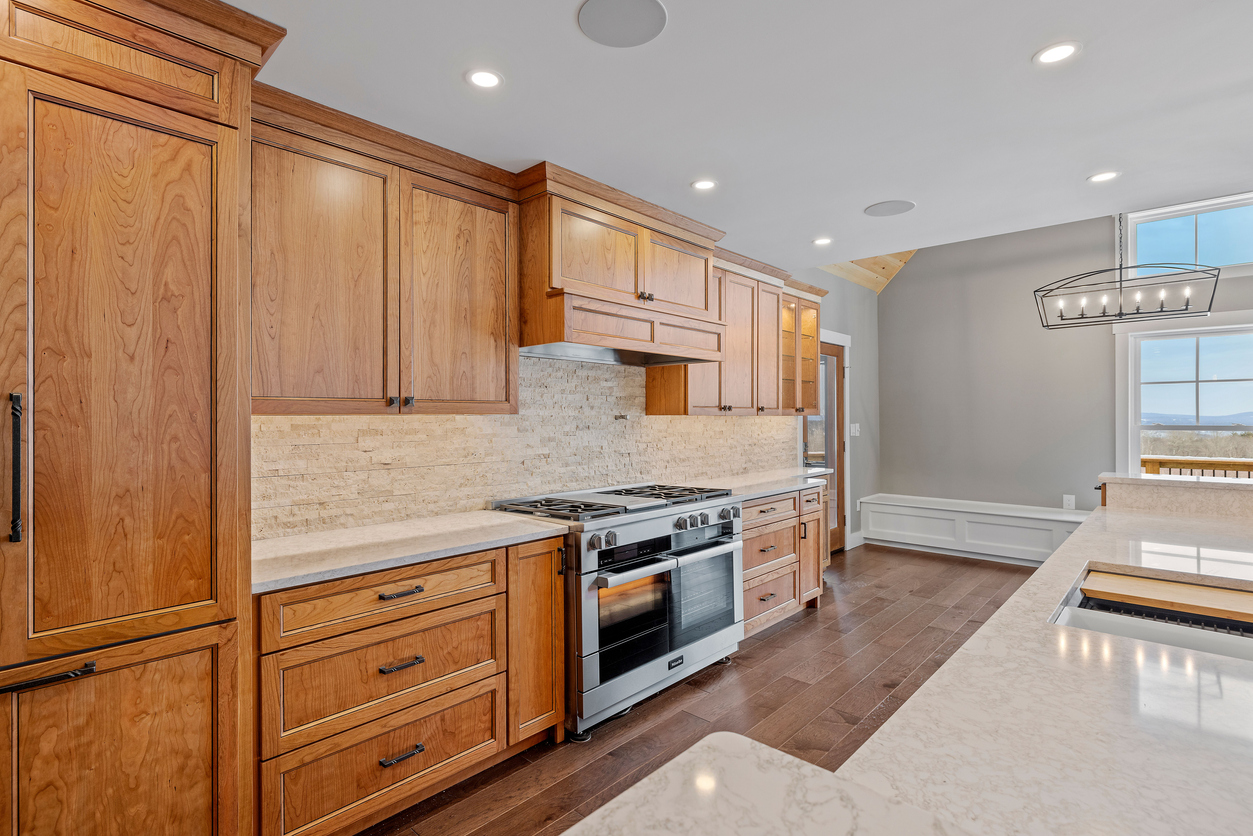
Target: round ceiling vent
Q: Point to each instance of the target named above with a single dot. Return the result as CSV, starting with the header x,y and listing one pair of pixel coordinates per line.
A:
x,y
622,23
889,207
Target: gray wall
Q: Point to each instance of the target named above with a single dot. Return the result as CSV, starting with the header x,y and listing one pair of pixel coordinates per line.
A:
x,y
978,401
854,310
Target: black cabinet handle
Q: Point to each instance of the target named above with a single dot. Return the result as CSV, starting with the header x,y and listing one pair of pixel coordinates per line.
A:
x,y
770,549
15,527
652,298
766,597
804,531
642,296
767,510
90,667
417,660
417,750
408,400
393,400
392,596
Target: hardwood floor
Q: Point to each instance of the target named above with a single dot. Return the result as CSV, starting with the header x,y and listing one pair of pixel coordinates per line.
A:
x,y
816,685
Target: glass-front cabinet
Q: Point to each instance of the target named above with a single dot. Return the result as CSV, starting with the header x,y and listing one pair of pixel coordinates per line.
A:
x,y
800,356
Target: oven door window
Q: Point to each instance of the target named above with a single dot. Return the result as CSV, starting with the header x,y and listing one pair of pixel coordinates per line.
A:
x,y
633,624
702,600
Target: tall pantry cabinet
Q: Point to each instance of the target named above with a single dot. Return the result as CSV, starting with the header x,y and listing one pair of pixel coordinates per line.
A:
x,y
124,366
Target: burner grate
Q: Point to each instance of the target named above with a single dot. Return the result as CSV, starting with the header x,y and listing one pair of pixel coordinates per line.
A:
x,y
564,508
672,494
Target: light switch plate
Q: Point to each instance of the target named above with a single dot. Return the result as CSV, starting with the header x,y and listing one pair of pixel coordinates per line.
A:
x,y
1068,502
854,429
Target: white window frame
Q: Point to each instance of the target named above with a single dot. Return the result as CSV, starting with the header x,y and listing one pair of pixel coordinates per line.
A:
x,y
1127,339
1132,219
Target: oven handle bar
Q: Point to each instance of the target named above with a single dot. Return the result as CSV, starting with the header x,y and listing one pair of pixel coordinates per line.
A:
x,y
719,550
619,578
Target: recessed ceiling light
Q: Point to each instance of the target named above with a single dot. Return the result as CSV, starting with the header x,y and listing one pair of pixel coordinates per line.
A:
x,y
1103,176
484,78
622,23
822,242
889,207
703,185
1057,52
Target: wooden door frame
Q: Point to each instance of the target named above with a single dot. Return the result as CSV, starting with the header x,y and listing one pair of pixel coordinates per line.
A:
x,y
839,534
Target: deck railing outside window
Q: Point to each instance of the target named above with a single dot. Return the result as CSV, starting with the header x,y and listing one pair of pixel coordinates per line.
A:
x,y
1197,466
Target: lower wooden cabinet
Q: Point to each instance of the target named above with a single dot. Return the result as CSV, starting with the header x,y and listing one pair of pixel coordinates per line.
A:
x,y
323,787
536,646
809,553
784,546
139,738
773,594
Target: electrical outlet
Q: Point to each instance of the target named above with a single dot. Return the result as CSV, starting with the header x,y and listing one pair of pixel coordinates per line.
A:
x,y
1068,502
854,429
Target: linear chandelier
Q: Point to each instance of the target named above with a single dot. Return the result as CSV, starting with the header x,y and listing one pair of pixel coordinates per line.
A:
x,y
1121,294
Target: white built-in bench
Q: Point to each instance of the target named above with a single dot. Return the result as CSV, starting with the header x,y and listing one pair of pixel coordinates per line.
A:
x,y
1023,534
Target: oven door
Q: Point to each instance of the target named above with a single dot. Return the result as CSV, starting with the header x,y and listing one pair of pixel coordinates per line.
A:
x,y
632,615
705,591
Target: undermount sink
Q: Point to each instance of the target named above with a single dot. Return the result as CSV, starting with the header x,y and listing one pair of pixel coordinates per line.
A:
x,y
1193,616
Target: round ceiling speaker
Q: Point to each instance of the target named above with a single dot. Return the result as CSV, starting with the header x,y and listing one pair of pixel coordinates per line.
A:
x,y
622,23
889,207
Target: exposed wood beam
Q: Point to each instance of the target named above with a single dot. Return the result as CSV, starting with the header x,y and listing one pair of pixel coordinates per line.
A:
x,y
874,272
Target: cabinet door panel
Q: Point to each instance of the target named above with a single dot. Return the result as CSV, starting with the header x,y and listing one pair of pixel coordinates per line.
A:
x,y
536,639
324,283
679,278
769,342
144,745
807,354
738,369
809,550
458,278
130,425
790,365
595,254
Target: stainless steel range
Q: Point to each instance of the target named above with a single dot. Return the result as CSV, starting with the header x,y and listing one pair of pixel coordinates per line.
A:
x,y
653,589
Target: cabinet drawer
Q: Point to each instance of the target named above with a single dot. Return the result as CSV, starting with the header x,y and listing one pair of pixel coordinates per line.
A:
x,y
312,692
311,613
326,786
770,592
811,500
769,544
770,509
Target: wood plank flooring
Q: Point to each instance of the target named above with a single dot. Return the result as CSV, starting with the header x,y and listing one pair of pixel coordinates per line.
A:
x,y
816,685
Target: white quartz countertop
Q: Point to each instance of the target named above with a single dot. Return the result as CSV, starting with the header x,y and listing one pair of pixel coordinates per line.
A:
x,y
284,562
1035,728
1210,482
728,785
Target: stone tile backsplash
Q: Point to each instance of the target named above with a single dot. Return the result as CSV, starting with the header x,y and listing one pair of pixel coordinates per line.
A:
x,y
319,473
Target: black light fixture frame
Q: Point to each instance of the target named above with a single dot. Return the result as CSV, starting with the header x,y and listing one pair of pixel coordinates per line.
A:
x,y
1166,291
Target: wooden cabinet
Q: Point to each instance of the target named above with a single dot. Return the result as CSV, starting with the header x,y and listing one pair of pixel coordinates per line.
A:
x,y
769,340
784,541
800,356
380,690
124,307
593,253
809,554
536,639
139,738
459,327
729,387
325,278
679,277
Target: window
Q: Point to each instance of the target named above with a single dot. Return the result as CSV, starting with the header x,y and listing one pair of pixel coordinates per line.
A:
x,y
1196,396
1217,233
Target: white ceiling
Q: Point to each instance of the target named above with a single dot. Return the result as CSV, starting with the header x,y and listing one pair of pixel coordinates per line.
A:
x,y
806,111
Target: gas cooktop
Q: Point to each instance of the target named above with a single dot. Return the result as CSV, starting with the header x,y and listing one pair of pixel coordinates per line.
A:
x,y
673,494
606,502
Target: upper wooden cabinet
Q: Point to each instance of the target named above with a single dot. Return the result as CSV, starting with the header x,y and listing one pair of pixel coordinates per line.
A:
x,y
746,381
325,278
377,289
125,311
800,356
679,277
459,327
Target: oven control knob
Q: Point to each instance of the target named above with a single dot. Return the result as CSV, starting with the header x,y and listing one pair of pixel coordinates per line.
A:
x,y
611,538
735,511
693,521
724,514
594,542
704,519
681,523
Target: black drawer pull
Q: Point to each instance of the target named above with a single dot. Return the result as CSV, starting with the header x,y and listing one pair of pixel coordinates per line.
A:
x,y
392,596
812,500
767,510
417,660
769,549
766,597
15,527
416,750
89,667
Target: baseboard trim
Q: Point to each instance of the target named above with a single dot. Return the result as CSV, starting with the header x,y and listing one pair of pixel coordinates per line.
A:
x,y
853,539
991,558
1021,534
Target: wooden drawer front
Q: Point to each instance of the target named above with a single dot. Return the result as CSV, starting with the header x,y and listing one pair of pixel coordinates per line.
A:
x,y
770,592
603,323
770,509
689,337
312,692
811,500
326,786
88,44
299,616
770,544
